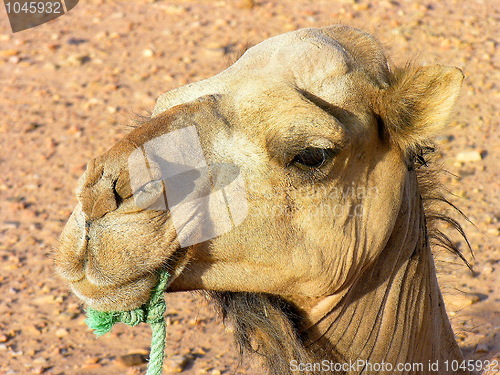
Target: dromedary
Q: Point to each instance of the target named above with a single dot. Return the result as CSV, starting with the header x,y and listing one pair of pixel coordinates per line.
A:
x,y
328,262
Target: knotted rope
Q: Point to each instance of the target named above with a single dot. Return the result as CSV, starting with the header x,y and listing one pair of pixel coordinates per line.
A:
x,y
152,313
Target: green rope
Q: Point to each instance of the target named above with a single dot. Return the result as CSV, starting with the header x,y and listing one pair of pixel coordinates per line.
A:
x,y
151,313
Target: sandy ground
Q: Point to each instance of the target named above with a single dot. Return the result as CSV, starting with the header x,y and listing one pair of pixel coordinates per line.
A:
x,y
72,87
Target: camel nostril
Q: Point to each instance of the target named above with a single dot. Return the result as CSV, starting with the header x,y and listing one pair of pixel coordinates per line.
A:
x,y
105,202
118,197
97,190
99,199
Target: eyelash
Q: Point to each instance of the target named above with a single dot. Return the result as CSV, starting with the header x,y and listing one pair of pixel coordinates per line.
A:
x,y
312,158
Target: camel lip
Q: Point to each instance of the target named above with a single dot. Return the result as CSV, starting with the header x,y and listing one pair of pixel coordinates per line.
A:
x,y
112,298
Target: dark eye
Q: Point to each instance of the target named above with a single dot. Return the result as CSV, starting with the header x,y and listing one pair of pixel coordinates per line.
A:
x,y
312,157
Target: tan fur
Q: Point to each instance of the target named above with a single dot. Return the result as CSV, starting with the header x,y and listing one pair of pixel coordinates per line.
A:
x,y
419,102
331,262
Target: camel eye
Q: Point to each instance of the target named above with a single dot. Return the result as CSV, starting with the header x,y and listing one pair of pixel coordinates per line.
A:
x,y
312,157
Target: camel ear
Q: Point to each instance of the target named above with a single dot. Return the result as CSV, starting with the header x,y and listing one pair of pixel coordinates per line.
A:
x,y
419,102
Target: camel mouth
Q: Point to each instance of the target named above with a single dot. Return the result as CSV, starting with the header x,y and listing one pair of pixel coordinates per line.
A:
x,y
131,294
124,297
106,270
175,265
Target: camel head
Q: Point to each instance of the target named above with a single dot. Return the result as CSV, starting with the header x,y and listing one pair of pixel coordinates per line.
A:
x,y
285,174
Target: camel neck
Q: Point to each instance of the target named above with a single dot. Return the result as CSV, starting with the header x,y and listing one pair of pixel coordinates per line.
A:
x,y
394,312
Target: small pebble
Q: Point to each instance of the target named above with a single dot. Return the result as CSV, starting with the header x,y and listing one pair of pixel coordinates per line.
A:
x,y
78,59
9,52
90,366
38,370
92,360
469,156
458,301
61,332
148,53
14,59
177,363
133,359
173,9
246,4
